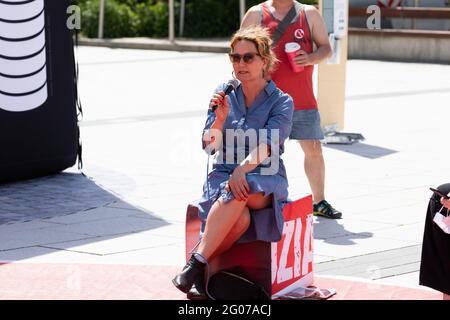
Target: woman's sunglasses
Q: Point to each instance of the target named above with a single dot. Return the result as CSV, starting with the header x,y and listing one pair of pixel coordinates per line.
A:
x,y
247,57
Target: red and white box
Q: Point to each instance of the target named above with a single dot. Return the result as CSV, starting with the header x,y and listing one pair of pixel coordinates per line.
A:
x,y
279,267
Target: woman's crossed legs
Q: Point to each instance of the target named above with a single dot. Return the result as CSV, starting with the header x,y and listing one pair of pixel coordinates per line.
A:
x,y
227,222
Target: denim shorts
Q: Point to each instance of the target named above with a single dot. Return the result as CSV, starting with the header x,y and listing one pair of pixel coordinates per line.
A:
x,y
306,125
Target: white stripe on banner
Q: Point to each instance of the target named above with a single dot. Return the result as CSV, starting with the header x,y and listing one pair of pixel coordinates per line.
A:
x,y
23,71
22,29
18,49
18,12
23,85
22,67
23,103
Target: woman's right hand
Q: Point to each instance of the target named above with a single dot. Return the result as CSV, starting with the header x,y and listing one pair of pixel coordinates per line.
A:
x,y
223,108
238,184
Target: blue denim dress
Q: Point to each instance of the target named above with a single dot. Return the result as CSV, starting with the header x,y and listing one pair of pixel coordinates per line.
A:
x,y
272,110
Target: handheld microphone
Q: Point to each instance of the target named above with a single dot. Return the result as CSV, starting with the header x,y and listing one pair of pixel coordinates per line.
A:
x,y
231,85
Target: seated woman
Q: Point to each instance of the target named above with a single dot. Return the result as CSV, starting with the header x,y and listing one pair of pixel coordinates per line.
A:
x,y
435,262
244,194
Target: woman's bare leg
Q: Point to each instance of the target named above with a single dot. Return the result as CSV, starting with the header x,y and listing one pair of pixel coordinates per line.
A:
x,y
446,297
258,201
236,232
221,220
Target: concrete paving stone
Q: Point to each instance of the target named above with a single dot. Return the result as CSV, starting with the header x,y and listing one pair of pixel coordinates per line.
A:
x,y
159,210
163,195
172,255
329,228
421,193
40,255
374,265
155,192
374,203
417,180
392,271
338,189
176,215
356,245
395,216
37,196
111,226
158,205
173,216
123,205
402,201
37,214
13,217
101,213
16,218
11,206
24,226
167,255
321,259
410,232
173,230
410,279
34,237
116,244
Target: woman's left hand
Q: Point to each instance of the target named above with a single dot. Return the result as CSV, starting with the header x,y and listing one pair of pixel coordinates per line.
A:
x,y
238,185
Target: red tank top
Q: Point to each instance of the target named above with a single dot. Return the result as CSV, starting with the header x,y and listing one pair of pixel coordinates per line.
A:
x,y
299,85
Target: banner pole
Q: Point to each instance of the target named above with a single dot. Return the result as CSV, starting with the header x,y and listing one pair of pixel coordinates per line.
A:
x,y
101,18
171,22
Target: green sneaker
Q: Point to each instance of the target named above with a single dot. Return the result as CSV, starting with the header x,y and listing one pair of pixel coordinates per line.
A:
x,y
324,209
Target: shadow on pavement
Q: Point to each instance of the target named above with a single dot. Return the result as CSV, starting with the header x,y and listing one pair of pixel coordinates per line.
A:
x,y
69,210
332,232
363,150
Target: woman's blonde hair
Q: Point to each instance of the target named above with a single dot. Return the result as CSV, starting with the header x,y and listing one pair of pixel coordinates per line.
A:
x,y
261,38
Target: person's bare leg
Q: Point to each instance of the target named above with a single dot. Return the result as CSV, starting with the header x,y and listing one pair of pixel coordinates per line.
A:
x,y
446,297
236,232
222,218
314,165
258,201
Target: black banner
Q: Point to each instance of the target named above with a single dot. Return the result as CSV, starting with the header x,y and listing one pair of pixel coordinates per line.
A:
x,y
39,132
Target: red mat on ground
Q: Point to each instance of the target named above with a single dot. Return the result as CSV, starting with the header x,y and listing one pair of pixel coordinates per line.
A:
x,y
53,281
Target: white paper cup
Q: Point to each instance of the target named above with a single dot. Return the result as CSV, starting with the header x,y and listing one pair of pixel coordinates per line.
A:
x,y
291,49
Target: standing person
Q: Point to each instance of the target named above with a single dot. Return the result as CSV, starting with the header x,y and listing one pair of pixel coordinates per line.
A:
x,y
306,28
435,262
243,198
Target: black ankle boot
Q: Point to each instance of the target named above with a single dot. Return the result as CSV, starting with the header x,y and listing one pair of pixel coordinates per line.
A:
x,y
198,291
191,271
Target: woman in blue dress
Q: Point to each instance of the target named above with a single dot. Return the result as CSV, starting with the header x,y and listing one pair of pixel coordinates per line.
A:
x,y
244,194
